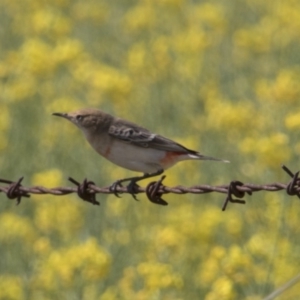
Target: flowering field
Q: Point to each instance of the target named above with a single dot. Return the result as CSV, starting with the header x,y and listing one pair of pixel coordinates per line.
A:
x,y
221,77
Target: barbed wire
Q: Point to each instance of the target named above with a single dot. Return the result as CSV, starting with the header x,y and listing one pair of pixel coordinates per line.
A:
x,y
87,190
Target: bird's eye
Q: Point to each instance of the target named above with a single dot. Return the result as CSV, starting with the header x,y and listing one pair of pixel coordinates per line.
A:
x,y
79,118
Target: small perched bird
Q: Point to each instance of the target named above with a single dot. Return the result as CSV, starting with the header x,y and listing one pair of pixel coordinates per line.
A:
x,y
130,146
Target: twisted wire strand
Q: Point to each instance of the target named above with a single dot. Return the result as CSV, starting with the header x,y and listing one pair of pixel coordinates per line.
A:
x,y
87,190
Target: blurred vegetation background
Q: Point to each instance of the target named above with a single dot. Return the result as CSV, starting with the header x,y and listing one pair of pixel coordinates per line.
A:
x,y
221,77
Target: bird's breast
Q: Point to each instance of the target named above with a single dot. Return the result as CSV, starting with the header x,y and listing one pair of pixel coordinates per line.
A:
x,y
134,158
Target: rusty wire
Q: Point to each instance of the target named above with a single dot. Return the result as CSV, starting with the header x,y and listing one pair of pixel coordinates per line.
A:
x,y
87,190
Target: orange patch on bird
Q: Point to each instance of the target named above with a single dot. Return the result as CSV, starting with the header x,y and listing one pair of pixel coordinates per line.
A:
x,y
107,152
170,158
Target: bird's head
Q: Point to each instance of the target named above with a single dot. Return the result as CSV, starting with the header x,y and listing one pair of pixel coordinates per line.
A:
x,y
87,120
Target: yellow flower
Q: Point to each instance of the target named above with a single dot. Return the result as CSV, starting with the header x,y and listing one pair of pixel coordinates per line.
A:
x,y
283,89
230,116
292,120
222,288
158,275
5,122
64,267
58,216
271,151
51,21
140,17
16,228
67,50
11,288
49,178
36,58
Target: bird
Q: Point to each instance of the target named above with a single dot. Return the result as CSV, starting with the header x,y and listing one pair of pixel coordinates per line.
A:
x,y
130,146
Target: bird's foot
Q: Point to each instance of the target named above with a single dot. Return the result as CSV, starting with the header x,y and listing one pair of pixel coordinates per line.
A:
x,y
113,188
132,189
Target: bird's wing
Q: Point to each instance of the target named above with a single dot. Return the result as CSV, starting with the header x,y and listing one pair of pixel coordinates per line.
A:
x,y
131,133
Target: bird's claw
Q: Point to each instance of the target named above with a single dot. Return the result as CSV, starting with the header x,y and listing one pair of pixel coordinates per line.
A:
x,y
132,189
114,186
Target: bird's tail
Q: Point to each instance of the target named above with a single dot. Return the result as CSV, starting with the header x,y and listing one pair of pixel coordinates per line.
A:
x,y
203,157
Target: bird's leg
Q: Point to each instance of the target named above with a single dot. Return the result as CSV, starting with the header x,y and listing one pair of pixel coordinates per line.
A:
x,y
118,183
132,186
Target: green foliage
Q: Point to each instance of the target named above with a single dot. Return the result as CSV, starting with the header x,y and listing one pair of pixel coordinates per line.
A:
x,y
218,76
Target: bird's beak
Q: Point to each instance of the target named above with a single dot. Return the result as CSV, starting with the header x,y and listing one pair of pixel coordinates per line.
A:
x,y
63,115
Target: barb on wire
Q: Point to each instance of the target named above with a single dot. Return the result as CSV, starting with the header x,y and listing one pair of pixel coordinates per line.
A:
x,y
233,190
153,191
87,190
14,190
293,185
84,192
